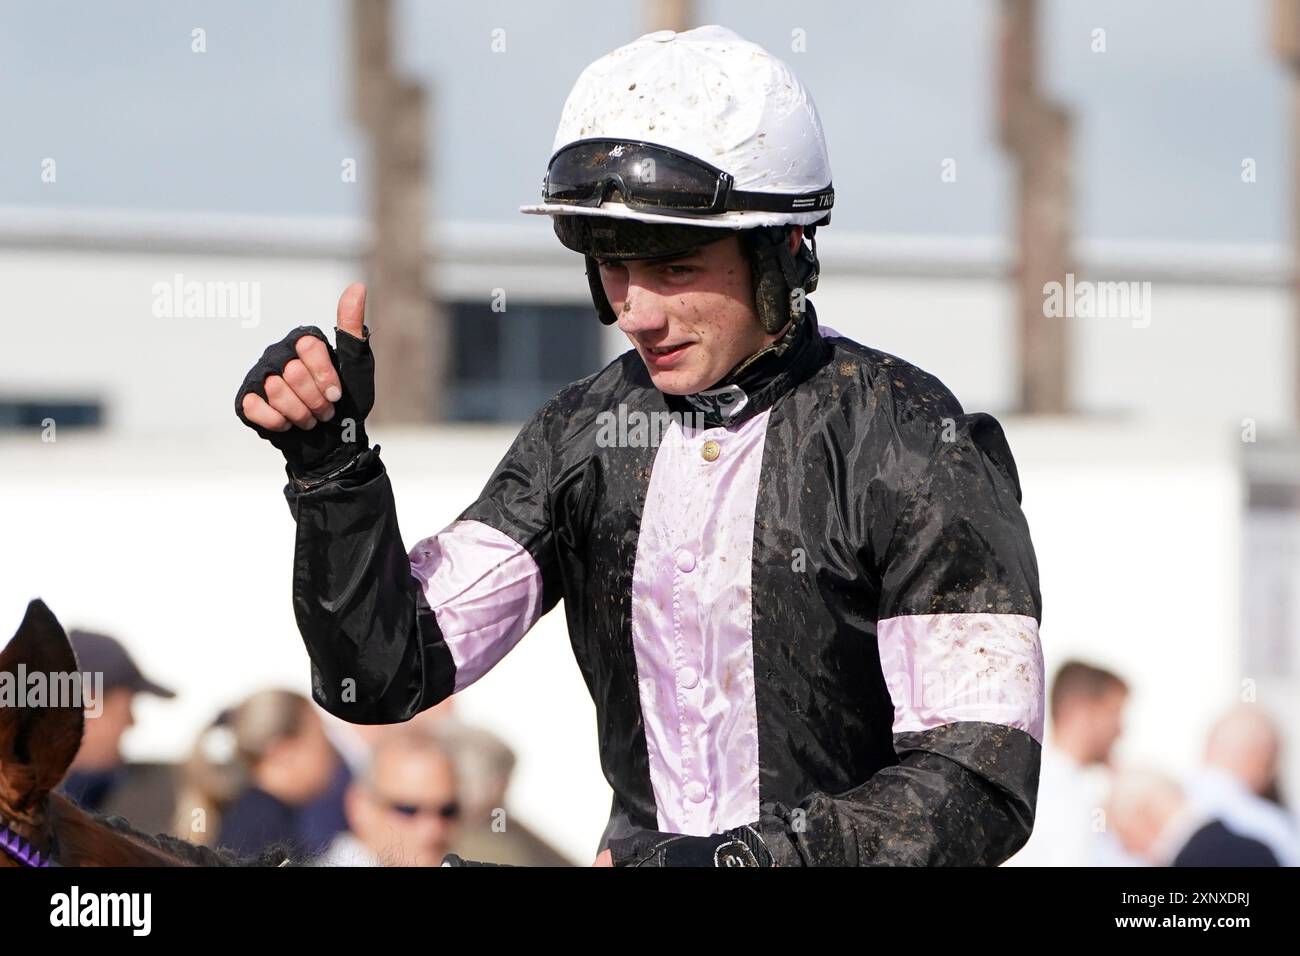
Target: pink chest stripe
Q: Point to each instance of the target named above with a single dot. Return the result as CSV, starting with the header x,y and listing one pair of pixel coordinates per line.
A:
x,y
692,629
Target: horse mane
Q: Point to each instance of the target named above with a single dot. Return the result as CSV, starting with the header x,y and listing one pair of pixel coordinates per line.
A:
x,y
83,836
192,853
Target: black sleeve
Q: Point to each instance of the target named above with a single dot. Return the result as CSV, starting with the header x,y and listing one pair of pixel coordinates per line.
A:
x,y
377,654
391,632
958,641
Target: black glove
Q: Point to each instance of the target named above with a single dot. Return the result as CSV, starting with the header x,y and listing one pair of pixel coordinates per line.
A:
x,y
328,448
741,846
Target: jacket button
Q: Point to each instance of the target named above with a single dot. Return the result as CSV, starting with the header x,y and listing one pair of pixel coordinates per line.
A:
x,y
685,561
711,450
695,791
689,677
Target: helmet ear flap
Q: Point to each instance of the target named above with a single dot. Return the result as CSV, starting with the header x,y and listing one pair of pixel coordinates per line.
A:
x,y
770,296
776,274
603,310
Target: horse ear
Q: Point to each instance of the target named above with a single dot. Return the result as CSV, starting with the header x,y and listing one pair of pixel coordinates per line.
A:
x,y
37,739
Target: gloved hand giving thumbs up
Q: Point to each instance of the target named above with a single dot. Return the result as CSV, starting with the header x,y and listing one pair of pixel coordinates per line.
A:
x,y
309,399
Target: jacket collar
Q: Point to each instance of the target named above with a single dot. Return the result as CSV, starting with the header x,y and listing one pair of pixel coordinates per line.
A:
x,y
760,380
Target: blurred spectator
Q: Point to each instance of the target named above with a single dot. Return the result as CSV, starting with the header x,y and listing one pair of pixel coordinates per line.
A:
x,y
1242,756
323,818
1087,707
211,779
485,763
1156,822
402,808
356,743
100,779
287,762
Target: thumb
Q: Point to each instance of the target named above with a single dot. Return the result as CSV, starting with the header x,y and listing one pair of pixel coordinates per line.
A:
x,y
353,358
352,310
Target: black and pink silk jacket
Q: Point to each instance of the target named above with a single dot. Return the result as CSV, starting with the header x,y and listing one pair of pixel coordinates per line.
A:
x,y
814,609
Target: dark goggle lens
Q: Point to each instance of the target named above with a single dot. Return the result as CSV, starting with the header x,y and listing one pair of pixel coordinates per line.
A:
x,y
585,174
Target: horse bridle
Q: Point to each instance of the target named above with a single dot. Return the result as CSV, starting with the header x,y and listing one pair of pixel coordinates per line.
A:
x,y
21,851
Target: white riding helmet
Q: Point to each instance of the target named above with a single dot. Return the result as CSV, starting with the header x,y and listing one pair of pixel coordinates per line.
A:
x,y
710,94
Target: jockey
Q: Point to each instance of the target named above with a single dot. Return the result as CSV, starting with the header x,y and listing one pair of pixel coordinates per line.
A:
x,y
807,611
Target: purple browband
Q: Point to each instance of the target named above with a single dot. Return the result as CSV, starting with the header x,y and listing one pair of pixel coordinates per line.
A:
x,y
22,851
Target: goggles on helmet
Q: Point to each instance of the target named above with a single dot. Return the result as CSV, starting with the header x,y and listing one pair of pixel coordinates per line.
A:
x,y
651,177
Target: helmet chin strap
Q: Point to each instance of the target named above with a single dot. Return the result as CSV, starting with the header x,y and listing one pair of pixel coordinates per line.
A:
x,y
754,382
775,347
603,310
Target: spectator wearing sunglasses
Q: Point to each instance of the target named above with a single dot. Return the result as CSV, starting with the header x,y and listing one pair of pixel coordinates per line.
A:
x,y
402,810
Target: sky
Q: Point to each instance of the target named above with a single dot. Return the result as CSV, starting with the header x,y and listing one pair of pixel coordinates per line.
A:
x,y
1184,92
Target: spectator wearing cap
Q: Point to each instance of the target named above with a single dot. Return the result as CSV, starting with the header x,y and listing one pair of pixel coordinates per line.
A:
x,y
100,779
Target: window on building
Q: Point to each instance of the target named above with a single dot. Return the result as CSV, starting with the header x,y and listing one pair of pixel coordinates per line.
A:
x,y
1271,576
1271,560
32,413
505,365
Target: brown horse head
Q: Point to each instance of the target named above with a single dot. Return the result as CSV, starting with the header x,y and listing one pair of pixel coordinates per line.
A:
x,y
39,736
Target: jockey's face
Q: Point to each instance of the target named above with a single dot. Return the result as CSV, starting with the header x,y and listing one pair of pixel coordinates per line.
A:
x,y
692,318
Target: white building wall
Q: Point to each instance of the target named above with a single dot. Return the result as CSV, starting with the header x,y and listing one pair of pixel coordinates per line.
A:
x,y
1217,346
